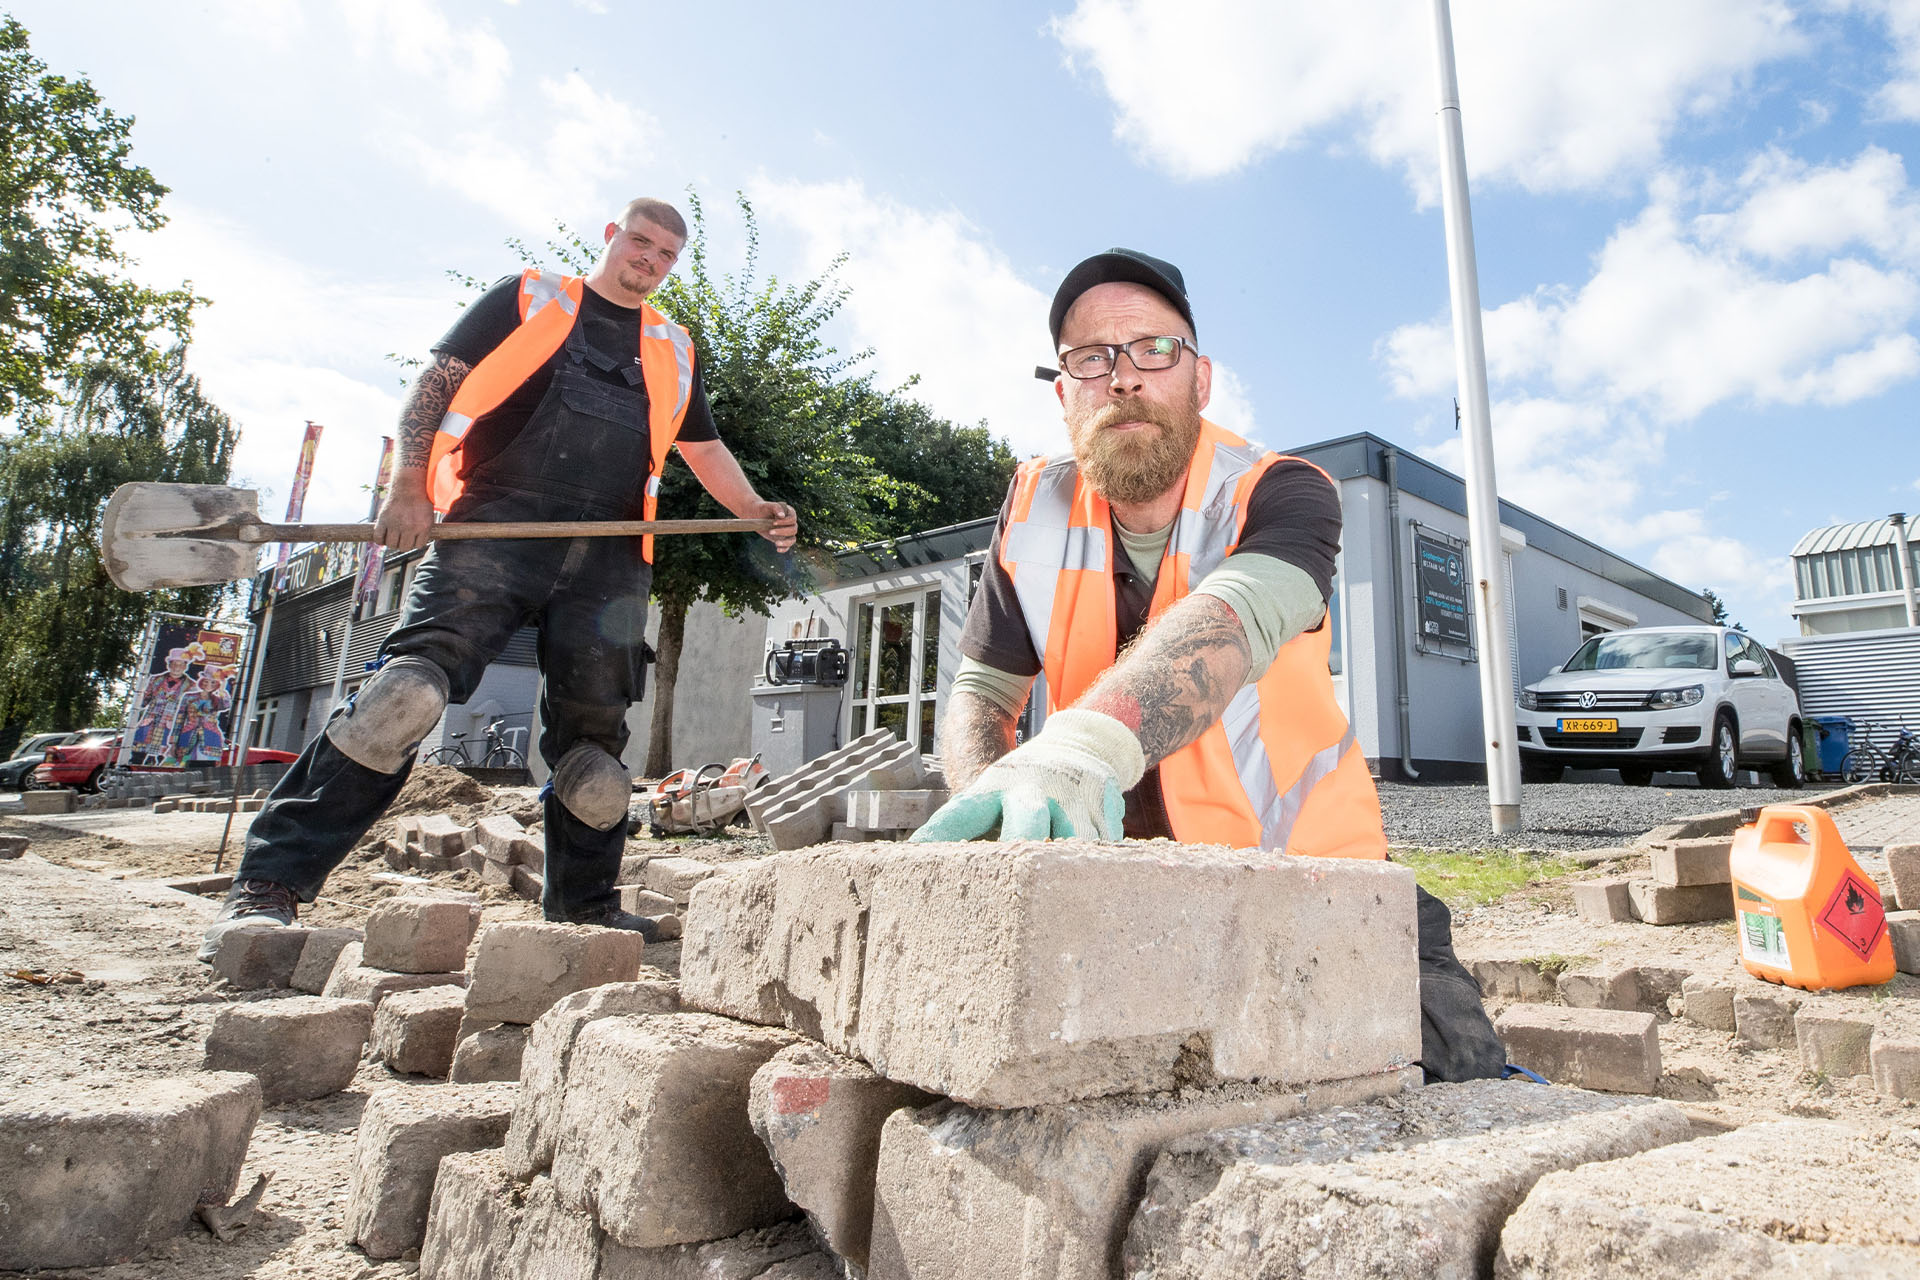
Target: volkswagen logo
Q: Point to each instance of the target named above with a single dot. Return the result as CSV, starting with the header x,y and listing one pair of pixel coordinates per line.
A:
x,y
1587,700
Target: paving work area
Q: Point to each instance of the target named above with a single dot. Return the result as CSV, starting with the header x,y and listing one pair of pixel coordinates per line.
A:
x,y
921,1061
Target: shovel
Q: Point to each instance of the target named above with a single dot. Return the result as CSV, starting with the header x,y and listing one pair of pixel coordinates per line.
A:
x,y
193,535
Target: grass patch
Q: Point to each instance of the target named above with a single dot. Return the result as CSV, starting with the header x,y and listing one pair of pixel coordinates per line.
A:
x,y
1476,877
1553,964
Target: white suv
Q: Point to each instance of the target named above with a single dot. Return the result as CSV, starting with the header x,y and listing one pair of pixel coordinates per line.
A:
x,y
1701,700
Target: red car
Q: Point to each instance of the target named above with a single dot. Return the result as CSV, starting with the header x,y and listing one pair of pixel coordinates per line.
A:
x,y
82,764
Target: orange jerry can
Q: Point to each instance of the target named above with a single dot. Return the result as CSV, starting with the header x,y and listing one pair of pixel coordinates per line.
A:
x,y
1808,916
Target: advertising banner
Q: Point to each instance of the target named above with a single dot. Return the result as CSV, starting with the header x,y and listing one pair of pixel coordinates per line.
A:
x,y
1440,578
181,713
376,558
297,497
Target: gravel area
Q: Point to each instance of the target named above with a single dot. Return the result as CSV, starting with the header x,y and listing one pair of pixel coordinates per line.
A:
x,y
1557,815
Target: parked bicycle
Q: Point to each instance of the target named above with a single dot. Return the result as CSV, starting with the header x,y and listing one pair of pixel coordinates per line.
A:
x,y
494,752
1870,762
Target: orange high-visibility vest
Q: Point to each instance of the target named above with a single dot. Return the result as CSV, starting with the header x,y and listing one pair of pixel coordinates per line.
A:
x,y
549,304
1280,769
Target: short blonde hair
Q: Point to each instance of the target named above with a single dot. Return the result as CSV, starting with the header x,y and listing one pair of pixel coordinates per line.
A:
x,y
658,212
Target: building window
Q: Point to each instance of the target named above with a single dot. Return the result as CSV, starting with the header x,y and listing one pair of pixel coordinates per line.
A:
x,y
1597,617
265,717
896,666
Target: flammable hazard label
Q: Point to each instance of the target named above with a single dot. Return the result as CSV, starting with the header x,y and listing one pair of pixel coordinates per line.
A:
x,y
1854,914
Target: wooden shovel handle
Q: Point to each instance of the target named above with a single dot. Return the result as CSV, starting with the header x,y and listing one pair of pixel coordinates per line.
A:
x,y
467,531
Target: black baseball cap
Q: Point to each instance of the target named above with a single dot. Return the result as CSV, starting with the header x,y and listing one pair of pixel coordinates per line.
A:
x,y
1120,266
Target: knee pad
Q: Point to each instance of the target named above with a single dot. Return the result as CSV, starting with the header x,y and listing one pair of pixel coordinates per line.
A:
x,y
594,787
390,715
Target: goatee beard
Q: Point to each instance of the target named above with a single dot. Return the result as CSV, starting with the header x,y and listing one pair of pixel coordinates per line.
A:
x,y
1137,466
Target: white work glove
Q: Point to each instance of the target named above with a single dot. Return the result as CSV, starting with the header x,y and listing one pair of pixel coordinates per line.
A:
x,y
1068,781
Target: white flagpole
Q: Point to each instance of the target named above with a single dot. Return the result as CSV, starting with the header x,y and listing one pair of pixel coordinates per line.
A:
x,y
1483,500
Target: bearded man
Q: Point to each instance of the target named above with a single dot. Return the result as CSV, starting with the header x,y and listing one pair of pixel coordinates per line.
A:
x,y
1171,583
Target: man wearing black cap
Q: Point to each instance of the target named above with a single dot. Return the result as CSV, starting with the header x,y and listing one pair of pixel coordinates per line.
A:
x,y
1171,582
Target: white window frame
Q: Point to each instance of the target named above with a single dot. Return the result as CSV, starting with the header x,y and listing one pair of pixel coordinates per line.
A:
x,y
867,649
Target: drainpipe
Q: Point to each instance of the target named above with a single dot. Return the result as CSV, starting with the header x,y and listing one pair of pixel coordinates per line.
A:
x,y
1391,457
1899,519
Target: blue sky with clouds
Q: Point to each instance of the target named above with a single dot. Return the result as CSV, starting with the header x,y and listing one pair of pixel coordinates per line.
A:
x,y
1699,240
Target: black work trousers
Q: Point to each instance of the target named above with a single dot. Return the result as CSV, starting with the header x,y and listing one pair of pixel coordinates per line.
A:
x,y
1457,1040
588,599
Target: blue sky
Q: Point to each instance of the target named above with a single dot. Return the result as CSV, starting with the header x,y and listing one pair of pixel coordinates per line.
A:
x,y
1699,241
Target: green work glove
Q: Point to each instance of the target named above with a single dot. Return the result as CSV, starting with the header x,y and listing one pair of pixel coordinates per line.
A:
x,y
1068,781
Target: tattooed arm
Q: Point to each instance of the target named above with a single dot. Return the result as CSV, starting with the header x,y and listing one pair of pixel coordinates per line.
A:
x,y
1176,679
977,732
406,513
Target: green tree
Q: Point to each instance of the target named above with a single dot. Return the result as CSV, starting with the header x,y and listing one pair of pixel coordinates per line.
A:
x,y
947,473
66,630
66,185
1719,608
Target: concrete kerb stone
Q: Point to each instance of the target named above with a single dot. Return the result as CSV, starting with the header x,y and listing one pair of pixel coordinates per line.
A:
x,y
13,847
1615,988
258,956
776,791
494,835
1834,1039
414,1031
403,1136
654,1139
318,957
1709,1002
893,810
301,1047
98,1169
1763,1013
673,878
1903,930
1521,979
490,1054
1603,901
1665,904
1020,974
1784,1198
417,934
1048,1191
522,967
543,1068
1607,1049
1417,1186
1895,1058
1692,862
820,1116
352,980
1903,866
807,817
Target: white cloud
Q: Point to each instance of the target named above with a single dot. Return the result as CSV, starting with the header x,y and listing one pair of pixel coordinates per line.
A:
x,y
1899,97
1684,312
1554,96
467,63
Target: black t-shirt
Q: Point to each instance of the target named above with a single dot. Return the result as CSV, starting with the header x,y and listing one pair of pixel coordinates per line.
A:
x,y
1293,515
610,329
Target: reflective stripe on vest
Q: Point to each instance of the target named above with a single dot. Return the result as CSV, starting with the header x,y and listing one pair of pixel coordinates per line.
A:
x,y
549,305
1298,780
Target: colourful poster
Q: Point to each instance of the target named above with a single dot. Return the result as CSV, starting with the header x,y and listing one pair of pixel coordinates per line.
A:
x,y
297,498
182,710
376,557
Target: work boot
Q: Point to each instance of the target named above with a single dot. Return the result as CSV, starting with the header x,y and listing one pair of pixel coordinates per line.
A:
x,y
615,918
249,902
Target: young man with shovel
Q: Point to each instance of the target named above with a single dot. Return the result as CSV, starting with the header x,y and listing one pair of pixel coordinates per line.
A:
x,y
553,398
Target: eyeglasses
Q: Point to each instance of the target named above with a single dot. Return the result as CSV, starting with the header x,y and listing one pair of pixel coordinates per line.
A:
x,y
1147,355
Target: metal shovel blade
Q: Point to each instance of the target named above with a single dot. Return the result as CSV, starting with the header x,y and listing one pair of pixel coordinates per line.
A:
x,y
142,542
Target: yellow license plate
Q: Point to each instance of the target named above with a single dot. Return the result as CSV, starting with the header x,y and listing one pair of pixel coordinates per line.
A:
x,y
1589,726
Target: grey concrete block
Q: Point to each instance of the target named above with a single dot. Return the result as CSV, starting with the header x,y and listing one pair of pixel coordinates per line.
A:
x,y
1903,867
654,1139
441,837
1788,1198
528,883
96,1170
776,792
1047,1191
799,809
1612,988
318,957
493,836
820,1116
403,1135
1606,1049
300,1047
893,810
1603,901
1763,1013
673,878
522,967
645,902
1415,1187
1834,1041
1068,968
12,847
1523,979
355,981
419,934
492,1053
414,1031
1670,904
1699,861
61,800
1903,928
258,956
543,1068
1709,1002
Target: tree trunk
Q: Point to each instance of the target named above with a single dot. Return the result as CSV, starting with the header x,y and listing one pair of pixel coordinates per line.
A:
x,y
666,671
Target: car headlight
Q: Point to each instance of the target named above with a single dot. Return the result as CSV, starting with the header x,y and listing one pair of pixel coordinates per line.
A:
x,y
1666,699
1529,700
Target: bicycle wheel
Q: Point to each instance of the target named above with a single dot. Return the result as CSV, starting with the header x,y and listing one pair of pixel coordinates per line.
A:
x,y
1905,769
505,758
1860,765
447,755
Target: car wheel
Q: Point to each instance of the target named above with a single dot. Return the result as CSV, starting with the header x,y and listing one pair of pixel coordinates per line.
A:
x,y
1720,767
1791,772
1541,771
93,779
1637,775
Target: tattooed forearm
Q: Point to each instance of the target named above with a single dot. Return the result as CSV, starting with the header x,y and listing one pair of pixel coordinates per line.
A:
x,y
976,733
1176,679
427,402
